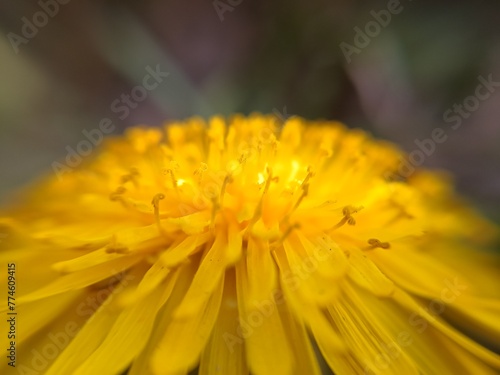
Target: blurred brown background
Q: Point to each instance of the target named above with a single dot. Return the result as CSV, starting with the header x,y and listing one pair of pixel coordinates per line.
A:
x,y
222,56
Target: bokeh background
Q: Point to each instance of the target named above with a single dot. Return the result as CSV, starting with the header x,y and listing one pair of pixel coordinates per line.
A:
x,y
242,56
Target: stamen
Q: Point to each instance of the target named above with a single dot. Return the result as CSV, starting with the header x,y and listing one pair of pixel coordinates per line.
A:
x,y
117,194
242,159
132,176
200,171
258,209
401,214
274,147
347,211
227,180
324,153
375,243
174,181
309,174
215,208
326,204
305,192
116,247
156,205
259,150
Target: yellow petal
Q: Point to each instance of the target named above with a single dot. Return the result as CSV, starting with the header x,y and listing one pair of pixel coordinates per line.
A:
x,y
467,343
477,314
468,363
303,277
225,351
367,338
128,336
304,358
91,259
87,340
36,314
261,273
414,335
81,279
367,275
306,312
268,350
182,343
405,267
142,364
207,278
179,252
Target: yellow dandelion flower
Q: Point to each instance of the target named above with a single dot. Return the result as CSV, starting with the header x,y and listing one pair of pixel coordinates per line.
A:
x,y
248,246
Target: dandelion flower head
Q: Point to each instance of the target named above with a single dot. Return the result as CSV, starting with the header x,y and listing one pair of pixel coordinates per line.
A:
x,y
244,245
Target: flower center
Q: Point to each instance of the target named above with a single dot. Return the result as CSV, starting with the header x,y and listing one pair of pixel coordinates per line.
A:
x,y
246,178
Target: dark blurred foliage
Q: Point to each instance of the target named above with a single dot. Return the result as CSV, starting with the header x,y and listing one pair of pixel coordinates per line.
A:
x,y
262,56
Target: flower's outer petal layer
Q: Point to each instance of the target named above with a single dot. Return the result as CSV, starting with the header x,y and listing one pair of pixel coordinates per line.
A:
x,y
185,337
312,277
142,364
415,336
36,352
268,350
180,252
482,318
207,279
35,315
467,362
128,336
367,275
225,351
82,279
305,361
449,287
33,263
310,314
459,338
91,335
368,340
405,268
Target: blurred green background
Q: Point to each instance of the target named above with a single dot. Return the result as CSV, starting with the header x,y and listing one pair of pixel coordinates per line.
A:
x,y
242,56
